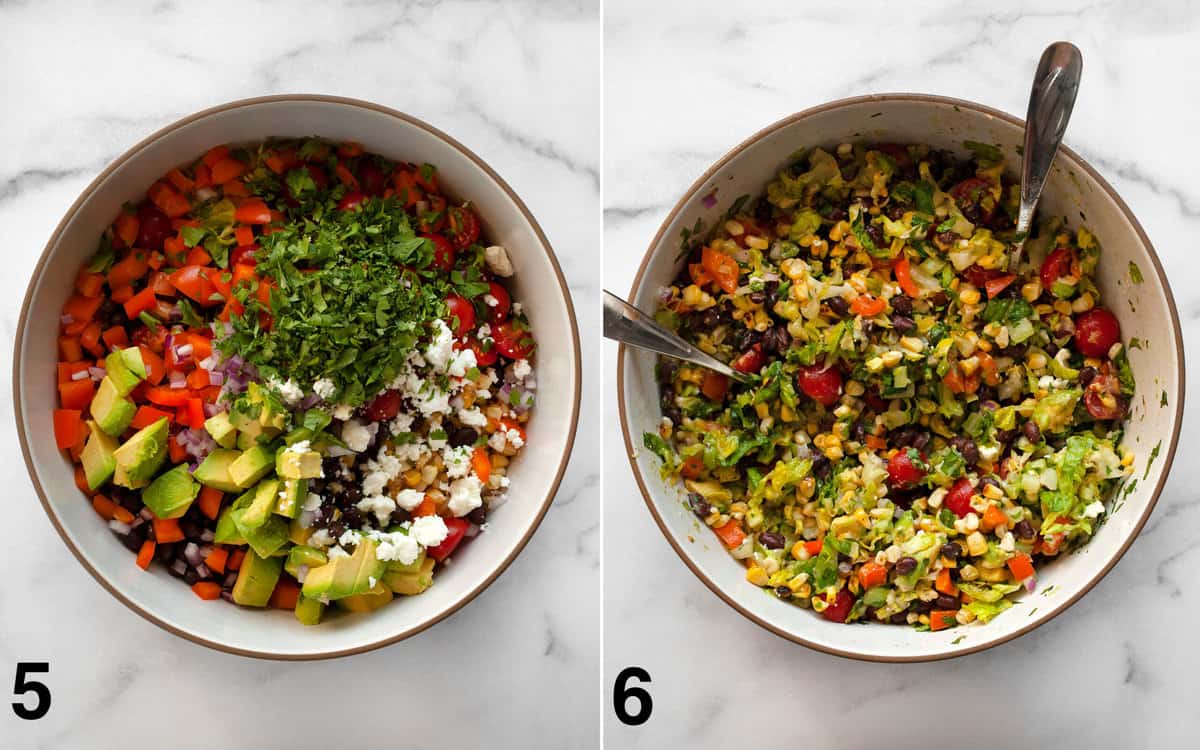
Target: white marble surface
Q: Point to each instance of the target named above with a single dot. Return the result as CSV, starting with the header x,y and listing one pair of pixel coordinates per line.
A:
x,y
517,82
683,84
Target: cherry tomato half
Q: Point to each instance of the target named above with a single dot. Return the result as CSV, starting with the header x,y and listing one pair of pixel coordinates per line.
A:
x,y
385,406
153,227
443,252
1103,397
821,383
462,314
499,311
1096,331
750,360
959,497
840,608
903,472
1056,265
511,341
483,358
371,178
351,201
463,226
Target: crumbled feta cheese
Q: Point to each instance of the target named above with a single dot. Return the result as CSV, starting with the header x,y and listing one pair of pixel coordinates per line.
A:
x,y
498,261
490,301
374,482
464,495
1093,510
349,538
439,350
290,392
497,441
457,461
343,411
401,424
409,499
433,401
395,546
428,531
381,505
371,580
521,368
336,552
357,436
300,446
516,309
320,538
311,502
324,388
484,331
462,361
472,417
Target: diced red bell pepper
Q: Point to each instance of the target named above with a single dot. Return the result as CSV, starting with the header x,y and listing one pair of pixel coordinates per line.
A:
x,y
68,427
457,528
76,394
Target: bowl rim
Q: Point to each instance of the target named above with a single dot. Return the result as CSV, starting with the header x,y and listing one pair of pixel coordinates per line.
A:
x,y
576,368
934,99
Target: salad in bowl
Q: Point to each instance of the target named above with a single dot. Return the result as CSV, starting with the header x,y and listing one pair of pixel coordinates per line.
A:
x,y
294,376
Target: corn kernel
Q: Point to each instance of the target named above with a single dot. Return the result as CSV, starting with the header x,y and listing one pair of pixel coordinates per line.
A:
x,y
971,521
734,228
757,575
992,492
757,243
970,365
1031,291
891,358
912,344
968,573
1083,303
1036,361
969,296
799,552
976,544
874,364
855,388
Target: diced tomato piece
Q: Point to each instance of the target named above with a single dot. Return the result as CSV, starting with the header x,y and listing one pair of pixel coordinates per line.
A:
x,y
226,169
692,466
125,229
731,533
457,528
867,305
511,341
750,361
89,284
145,555
903,471
164,396
81,308
207,590
219,557
128,269
68,427
840,609
1056,265
253,211
76,394
959,497
69,349
872,574
940,619
821,383
721,267
1095,332
148,415
140,302
166,530
154,365
116,337
286,594
715,386
998,284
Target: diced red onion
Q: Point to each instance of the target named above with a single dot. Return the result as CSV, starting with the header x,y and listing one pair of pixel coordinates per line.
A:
x,y
146,514
205,193
709,200
178,380
206,535
472,530
422,207
212,410
664,294
230,578
179,566
184,351
1030,584
227,596
209,362
192,553
169,341
119,527
81,375
137,521
216,378
203,571
309,401
97,373
66,319
338,451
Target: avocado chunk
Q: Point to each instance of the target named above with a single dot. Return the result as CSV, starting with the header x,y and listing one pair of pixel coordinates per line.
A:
x,y
303,555
172,493
298,534
98,460
255,416
291,497
369,600
112,411
126,369
298,462
309,611
345,576
213,471
256,579
410,583
227,531
251,466
222,430
267,539
141,455
266,494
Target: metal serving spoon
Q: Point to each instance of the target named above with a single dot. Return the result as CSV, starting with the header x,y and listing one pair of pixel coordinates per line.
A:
x,y
1055,85
625,323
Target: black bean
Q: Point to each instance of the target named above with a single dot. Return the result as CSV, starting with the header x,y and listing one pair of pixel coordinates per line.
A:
x,y
951,550
336,529
1023,530
165,553
463,436
191,529
968,449
1087,375
837,214
1015,351
757,297
821,467
667,399
400,515
900,618
947,239
674,414
838,305
701,507
990,482
352,493
902,304
859,433
134,539
987,393
667,367
945,601
777,339
478,516
716,315
1032,432
1004,437
903,323
906,565
331,466
875,232
745,338
939,299
783,592
921,608
895,211
762,211
868,328
191,576
352,517
771,288
771,540
921,440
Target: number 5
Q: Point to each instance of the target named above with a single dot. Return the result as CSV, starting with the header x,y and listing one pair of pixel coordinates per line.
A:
x,y
22,685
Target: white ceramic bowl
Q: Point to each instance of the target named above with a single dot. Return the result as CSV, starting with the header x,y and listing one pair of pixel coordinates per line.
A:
x,y
539,285
1146,311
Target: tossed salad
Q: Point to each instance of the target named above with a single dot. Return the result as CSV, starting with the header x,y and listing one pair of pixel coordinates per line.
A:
x,y
294,376
925,427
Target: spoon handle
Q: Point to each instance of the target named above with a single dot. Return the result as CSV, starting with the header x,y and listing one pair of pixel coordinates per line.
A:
x,y
1055,85
625,323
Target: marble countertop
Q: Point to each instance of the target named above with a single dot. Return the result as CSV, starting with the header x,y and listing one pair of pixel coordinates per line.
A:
x,y
683,84
81,83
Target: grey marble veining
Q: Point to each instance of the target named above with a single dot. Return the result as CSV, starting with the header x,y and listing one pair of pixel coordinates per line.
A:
x,y
517,82
684,82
